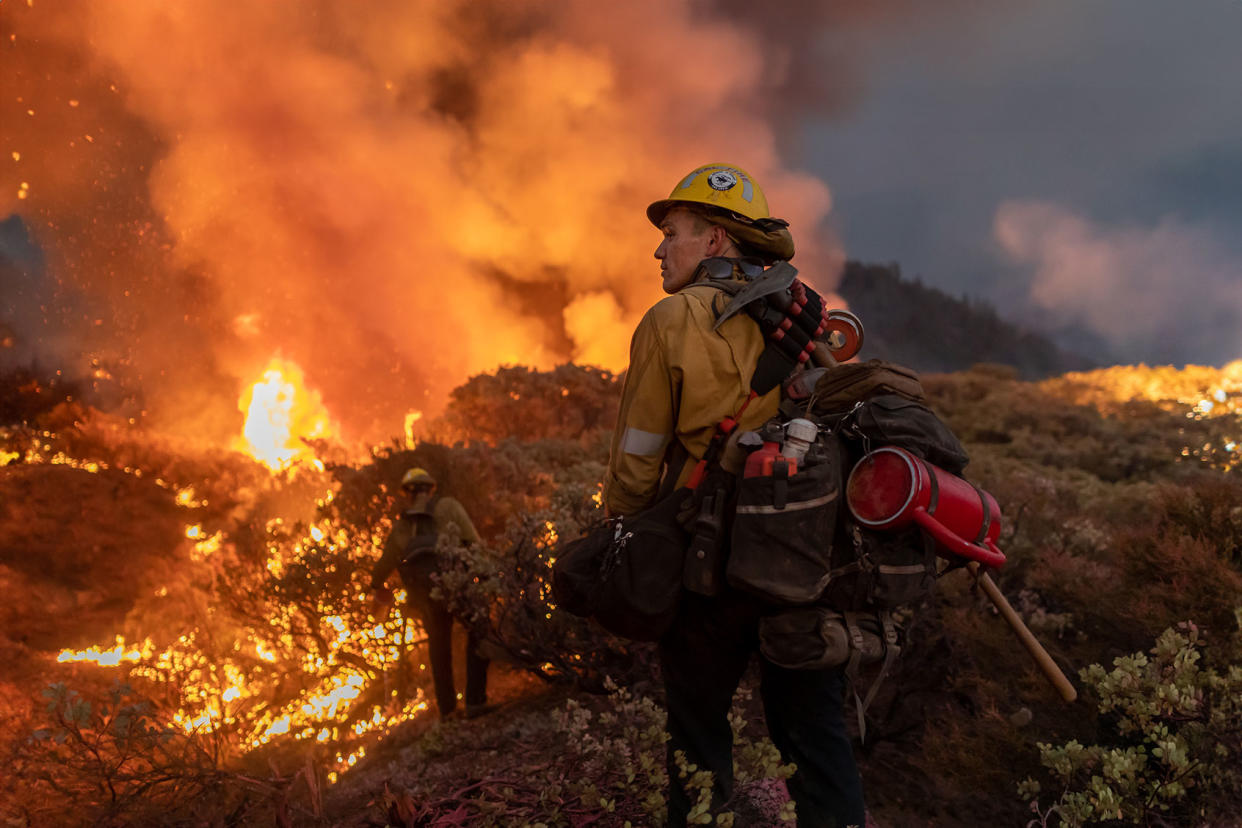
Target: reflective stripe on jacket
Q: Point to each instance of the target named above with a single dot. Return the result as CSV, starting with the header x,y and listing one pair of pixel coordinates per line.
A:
x,y
683,379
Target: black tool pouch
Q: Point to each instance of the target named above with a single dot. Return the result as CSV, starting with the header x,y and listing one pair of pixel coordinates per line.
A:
x,y
783,529
626,573
884,569
577,572
819,637
893,420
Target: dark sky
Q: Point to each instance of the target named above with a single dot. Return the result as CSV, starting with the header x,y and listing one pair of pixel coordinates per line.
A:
x,y
1079,164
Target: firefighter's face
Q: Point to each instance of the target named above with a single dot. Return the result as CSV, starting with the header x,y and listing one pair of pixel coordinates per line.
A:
x,y
420,491
688,240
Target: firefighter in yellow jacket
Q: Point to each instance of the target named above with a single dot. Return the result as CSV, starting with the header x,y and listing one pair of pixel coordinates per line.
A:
x,y
411,550
684,377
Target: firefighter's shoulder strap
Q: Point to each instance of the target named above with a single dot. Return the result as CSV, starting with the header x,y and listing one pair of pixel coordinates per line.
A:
x,y
427,509
405,539
790,320
423,523
677,456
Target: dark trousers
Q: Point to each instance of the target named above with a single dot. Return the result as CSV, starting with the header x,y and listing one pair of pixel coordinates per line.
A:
x,y
438,623
703,658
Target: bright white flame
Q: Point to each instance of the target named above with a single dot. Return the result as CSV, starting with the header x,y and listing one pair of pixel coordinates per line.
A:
x,y
281,414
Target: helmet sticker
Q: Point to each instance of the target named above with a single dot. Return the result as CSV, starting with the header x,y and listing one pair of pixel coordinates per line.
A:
x,y
722,180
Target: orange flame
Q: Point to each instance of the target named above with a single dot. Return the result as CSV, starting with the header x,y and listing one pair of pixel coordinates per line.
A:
x,y
411,442
281,414
519,237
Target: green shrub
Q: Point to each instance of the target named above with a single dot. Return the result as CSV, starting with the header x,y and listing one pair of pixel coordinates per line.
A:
x,y
619,756
597,760
1173,722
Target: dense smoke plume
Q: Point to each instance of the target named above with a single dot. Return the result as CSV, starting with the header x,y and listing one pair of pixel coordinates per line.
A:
x,y
1129,284
393,195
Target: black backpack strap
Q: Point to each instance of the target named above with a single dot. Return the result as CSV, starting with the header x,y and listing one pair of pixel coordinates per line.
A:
x,y
790,321
677,457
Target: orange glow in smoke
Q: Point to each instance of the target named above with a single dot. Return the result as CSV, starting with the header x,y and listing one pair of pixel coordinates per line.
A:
x,y
519,237
281,415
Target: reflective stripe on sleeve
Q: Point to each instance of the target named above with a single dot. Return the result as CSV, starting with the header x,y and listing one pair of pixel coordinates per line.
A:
x,y
642,443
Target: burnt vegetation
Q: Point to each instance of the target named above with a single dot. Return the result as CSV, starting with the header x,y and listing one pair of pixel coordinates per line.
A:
x,y
240,593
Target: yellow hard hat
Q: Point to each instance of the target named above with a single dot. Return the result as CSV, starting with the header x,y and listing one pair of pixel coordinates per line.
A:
x,y
417,477
723,186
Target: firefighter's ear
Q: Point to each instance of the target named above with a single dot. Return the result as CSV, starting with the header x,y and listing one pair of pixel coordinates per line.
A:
x,y
716,238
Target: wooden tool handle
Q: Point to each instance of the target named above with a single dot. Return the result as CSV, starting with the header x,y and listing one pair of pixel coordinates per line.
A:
x,y
822,357
1049,667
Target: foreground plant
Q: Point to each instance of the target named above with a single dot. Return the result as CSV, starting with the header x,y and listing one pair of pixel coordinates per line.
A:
x,y
1175,749
607,769
118,754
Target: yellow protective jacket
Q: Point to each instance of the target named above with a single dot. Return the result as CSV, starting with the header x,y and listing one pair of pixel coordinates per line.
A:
x,y
683,379
446,512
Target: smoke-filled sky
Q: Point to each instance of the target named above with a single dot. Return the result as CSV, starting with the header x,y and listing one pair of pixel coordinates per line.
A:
x,y
396,195
1079,164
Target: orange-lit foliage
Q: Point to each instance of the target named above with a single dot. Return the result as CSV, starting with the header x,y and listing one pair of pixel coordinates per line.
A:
x,y
1114,532
259,639
569,402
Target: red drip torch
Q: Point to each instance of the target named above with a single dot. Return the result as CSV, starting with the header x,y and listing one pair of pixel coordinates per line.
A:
x,y
891,488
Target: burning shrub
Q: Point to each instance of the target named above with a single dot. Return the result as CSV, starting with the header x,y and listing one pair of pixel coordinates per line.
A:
x,y
570,402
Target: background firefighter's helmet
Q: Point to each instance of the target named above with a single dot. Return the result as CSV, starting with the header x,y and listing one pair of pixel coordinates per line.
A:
x,y
417,477
728,196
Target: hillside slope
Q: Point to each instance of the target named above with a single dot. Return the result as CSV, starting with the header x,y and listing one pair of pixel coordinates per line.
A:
x,y
917,325
1121,520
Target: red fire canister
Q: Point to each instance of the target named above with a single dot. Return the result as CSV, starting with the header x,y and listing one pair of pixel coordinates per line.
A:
x,y
890,488
761,462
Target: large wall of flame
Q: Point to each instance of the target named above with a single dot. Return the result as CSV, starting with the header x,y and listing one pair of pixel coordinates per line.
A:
x,y
394,195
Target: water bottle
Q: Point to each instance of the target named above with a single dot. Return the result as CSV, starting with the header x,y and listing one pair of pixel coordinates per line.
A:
x,y
799,435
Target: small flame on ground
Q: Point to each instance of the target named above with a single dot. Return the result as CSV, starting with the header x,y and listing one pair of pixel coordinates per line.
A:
x,y
111,657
